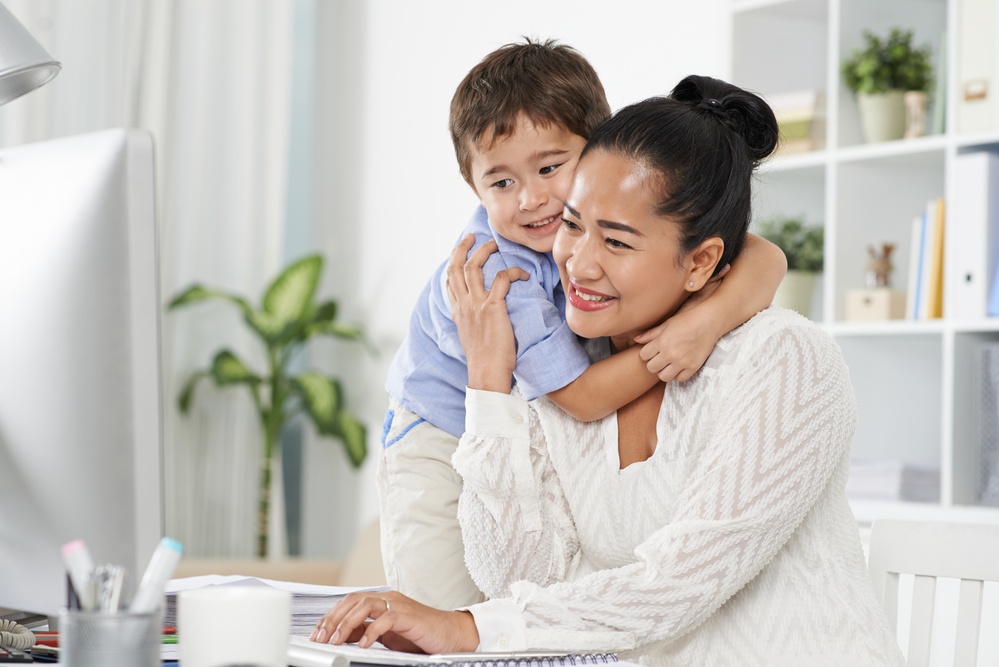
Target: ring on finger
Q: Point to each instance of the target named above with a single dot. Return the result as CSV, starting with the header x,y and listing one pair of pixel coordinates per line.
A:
x,y
388,607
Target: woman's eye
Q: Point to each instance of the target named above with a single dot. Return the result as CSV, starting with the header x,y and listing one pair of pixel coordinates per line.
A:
x,y
505,183
614,243
569,224
549,169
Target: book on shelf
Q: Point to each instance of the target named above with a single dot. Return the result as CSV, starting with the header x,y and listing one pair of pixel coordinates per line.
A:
x,y
801,121
892,480
924,299
977,66
974,259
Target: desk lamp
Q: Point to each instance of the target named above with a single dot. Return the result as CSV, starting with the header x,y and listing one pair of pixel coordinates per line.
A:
x,y
24,64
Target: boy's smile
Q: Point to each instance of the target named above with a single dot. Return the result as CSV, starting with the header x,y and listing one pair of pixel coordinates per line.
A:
x,y
523,178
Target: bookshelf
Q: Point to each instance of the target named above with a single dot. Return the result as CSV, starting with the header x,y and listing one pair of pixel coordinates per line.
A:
x,y
912,379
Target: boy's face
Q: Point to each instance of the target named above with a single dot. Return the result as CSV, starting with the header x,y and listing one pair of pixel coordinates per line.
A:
x,y
522,180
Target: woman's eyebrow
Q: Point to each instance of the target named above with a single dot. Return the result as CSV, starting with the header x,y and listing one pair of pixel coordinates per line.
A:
x,y
620,226
606,224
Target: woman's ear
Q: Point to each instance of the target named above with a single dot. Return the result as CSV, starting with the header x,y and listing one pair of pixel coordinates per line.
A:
x,y
702,262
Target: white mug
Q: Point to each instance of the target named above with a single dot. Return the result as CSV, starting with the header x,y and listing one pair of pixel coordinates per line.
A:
x,y
218,626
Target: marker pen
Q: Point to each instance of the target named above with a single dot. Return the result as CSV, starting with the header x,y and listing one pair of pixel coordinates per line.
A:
x,y
80,566
159,571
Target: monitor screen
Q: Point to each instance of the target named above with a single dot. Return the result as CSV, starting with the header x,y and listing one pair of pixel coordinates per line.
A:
x,y
80,436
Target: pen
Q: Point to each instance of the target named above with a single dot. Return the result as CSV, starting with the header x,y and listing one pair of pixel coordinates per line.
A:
x,y
160,568
80,566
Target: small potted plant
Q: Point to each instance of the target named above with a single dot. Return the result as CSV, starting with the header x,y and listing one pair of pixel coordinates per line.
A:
x,y
880,75
802,246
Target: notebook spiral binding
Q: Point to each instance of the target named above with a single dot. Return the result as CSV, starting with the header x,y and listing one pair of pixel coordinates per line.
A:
x,y
540,661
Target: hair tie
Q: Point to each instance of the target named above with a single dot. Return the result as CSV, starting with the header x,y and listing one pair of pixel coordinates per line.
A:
x,y
713,106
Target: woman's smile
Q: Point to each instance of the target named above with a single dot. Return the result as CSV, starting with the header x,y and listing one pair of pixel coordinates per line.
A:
x,y
588,300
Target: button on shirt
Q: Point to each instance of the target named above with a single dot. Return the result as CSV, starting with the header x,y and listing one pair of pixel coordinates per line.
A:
x,y
429,373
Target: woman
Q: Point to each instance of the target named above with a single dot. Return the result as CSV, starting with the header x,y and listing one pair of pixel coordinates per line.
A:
x,y
704,523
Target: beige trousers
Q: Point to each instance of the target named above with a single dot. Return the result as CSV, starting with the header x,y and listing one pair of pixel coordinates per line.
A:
x,y
418,490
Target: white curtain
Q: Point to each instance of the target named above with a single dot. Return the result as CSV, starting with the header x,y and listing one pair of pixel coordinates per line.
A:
x,y
211,81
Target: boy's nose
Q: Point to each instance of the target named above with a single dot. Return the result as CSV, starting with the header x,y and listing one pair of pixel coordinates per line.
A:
x,y
533,197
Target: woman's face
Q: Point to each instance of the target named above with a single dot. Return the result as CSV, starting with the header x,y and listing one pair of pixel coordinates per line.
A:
x,y
617,258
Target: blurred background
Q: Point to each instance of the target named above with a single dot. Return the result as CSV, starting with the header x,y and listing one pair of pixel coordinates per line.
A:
x,y
287,127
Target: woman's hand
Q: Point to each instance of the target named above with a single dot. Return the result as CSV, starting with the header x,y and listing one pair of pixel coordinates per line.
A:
x,y
399,623
481,317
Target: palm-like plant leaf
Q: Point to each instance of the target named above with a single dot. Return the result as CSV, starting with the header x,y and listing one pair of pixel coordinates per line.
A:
x,y
354,437
187,393
321,399
227,369
197,293
290,295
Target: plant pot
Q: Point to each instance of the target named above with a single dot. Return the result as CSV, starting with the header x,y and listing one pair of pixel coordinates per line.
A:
x,y
882,115
795,292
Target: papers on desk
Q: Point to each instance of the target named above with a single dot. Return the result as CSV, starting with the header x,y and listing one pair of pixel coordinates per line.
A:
x,y
892,480
309,601
304,653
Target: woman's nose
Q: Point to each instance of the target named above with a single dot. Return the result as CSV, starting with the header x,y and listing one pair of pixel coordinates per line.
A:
x,y
533,196
582,263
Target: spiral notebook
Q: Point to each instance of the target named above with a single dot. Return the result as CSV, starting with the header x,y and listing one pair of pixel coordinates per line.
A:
x,y
305,653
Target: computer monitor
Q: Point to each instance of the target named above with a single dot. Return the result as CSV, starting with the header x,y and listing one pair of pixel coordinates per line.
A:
x,y
80,436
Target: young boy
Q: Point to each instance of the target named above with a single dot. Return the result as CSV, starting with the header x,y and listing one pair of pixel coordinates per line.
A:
x,y
519,121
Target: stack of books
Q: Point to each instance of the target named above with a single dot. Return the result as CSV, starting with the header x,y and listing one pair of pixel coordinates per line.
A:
x,y
924,298
892,480
801,121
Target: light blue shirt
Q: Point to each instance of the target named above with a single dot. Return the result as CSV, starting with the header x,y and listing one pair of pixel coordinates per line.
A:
x,y
429,373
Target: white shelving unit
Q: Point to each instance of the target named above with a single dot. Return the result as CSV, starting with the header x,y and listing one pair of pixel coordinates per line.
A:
x,y
912,379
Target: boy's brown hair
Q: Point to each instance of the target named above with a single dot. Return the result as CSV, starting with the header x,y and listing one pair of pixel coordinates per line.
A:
x,y
548,82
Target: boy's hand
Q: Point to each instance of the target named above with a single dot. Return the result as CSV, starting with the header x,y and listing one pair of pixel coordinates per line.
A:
x,y
677,348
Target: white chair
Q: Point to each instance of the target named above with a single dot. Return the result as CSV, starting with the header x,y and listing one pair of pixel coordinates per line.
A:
x,y
931,549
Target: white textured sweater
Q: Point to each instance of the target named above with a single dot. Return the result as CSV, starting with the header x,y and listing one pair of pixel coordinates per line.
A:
x,y
732,545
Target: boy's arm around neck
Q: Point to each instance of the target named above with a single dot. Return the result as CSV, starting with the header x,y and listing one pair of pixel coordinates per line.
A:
x,y
749,287
605,386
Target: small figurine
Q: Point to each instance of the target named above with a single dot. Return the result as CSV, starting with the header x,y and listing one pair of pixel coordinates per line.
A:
x,y
879,268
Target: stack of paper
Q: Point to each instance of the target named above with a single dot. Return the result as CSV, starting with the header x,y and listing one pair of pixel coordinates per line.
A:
x,y
892,480
309,602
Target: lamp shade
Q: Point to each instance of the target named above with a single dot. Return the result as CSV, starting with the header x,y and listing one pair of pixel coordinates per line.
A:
x,y
24,64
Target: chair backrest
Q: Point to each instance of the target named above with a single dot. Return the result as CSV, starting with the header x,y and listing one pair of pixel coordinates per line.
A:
x,y
931,549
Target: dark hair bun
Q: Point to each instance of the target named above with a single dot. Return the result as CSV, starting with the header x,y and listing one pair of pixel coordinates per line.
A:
x,y
742,111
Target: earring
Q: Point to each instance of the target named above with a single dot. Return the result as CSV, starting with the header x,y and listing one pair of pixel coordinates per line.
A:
x,y
691,283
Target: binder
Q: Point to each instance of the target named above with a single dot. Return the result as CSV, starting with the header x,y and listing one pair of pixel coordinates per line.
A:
x,y
974,257
305,653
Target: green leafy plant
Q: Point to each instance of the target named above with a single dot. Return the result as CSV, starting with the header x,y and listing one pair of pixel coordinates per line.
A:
x,y
287,319
800,244
890,64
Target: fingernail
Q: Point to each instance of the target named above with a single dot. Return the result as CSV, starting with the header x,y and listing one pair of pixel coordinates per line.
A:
x,y
336,637
312,637
322,636
364,642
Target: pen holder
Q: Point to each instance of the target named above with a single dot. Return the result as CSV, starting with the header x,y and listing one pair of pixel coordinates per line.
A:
x,y
102,639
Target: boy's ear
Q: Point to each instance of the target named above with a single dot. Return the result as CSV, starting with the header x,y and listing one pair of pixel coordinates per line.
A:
x,y
702,262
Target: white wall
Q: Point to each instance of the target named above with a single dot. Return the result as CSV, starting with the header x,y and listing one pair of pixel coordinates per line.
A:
x,y
389,200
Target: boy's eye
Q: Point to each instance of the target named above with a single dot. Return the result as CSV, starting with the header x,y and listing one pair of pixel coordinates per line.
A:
x,y
505,183
549,169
